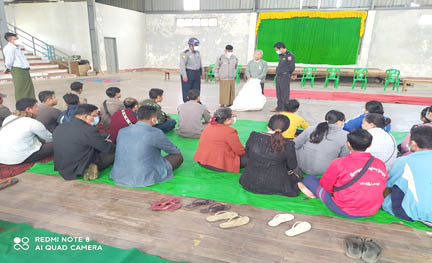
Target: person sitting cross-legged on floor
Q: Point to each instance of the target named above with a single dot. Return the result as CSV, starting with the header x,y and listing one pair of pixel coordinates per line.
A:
x,y
164,122
4,111
383,144
123,118
319,145
403,147
372,106
138,160
22,138
353,185
219,148
48,115
296,121
193,116
271,161
71,100
410,179
79,148
110,106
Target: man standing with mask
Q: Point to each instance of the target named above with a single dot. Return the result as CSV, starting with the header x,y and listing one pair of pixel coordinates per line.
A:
x,y
191,68
284,70
17,64
225,73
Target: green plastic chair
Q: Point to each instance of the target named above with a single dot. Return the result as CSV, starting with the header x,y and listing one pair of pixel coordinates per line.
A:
x,y
239,67
210,74
392,76
360,74
308,73
274,80
332,74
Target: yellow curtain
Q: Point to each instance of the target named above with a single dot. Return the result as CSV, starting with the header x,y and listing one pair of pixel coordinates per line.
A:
x,y
317,14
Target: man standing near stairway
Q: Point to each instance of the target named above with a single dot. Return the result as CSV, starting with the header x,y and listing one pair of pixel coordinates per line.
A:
x,y
17,64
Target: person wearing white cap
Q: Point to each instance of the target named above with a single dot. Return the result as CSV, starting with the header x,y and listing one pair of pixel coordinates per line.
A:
x,y
4,111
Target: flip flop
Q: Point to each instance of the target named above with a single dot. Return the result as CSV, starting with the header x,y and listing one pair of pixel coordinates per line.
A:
x,y
8,182
235,221
165,200
216,207
199,202
166,207
298,228
221,216
280,218
354,246
372,251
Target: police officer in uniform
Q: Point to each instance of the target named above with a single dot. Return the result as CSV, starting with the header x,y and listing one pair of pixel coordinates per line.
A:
x,y
191,68
284,70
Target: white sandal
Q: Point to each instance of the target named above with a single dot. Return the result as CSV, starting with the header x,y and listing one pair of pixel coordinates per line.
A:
x,y
280,218
235,221
298,228
221,215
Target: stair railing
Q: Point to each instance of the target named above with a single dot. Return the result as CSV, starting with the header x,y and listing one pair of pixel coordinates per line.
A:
x,y
41,48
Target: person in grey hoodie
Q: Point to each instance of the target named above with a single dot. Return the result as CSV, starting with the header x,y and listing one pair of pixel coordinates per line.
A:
x,y
319,145
225,73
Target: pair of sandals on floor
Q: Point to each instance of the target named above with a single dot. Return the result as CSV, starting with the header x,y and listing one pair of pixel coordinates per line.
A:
x,y
367,249
171,204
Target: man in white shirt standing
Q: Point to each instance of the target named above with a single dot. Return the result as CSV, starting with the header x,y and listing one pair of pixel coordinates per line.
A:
x,y
17,64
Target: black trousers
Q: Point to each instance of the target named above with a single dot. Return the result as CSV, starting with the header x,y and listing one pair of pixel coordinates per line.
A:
x,y
194,82
45,151
175,160
243,162
103,160
262,87
282,90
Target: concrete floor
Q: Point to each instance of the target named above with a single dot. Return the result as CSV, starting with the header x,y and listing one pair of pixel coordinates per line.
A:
x,y
139,83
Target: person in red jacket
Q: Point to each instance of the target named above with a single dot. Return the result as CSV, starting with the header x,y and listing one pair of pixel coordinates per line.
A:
x,y
338,188
219,148
123,118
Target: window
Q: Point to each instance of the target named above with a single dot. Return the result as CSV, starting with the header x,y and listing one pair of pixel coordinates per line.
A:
x,y
196,22
191,5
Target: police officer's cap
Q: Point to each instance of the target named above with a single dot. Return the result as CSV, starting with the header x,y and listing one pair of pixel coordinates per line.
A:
x,y
193,41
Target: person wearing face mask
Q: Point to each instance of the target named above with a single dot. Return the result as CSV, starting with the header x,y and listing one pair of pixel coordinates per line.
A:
x,y
219,148
284,70
79,148
191,68
138,160
18,66
225,73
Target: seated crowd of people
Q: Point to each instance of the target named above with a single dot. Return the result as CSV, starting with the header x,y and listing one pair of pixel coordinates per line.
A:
x,y
353,167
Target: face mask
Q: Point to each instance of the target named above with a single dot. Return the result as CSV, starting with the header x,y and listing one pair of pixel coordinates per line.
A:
x,y
196,48
18,42
96,121
155,121
229,54
234,120
278,52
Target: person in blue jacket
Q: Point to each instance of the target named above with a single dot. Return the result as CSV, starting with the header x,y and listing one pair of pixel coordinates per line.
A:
x,y
372,106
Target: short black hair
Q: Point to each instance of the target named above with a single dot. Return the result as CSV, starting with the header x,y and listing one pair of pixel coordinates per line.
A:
x,y
377,119
424,113
422,135
130,103
291,105
71,99
46,94
25,103
359,139
374,106
193,94
146,112
222,114
8,35
279,45
85,109
76,86
154,93
112,91
229,47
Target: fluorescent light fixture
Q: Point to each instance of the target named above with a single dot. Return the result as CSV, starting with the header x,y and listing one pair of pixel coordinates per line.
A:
x,y
425,20
191,5
414,4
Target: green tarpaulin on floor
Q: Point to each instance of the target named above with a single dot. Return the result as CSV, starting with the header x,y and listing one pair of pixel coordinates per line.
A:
x,y
23,243
192,180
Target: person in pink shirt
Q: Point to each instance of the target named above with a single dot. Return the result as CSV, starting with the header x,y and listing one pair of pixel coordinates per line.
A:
x,y
426,118
353,185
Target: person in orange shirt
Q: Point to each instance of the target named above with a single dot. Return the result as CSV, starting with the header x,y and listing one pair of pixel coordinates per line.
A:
x,y
296,121
219,148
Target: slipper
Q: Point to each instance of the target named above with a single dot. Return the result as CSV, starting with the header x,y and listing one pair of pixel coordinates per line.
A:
x,y
372,251
298,228
280,218
216,207
199,202
8,182
165,200
166,207
221,216
235,221
354,246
